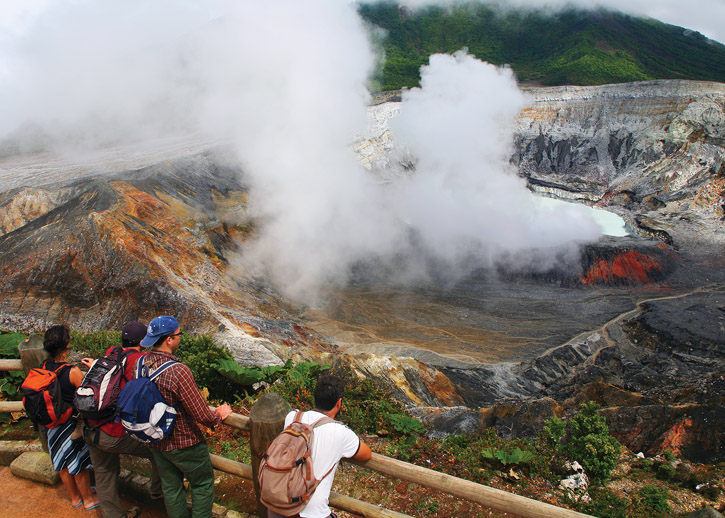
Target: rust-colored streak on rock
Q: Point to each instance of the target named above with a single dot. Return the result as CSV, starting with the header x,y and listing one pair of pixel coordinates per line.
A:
x,y
674,438
439,386
250,330
630,266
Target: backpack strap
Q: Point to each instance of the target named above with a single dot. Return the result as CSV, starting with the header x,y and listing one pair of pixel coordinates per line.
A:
x,y
162,368
58,369
322,420
141,370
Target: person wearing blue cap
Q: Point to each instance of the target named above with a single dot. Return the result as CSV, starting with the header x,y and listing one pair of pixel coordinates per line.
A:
x,y
184,452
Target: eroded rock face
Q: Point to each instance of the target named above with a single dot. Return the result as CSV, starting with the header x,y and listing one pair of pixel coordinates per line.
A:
x,y
123,247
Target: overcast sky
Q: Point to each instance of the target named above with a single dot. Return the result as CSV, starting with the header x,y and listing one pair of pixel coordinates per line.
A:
x,y
705,16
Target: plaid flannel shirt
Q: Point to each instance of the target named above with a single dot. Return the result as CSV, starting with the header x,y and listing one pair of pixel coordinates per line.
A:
x,y
178,387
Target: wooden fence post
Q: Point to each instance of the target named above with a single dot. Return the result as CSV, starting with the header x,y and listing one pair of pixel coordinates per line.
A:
x,y
267,421
32,355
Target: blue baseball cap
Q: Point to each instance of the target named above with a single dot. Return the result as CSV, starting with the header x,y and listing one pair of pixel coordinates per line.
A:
x,y
158,327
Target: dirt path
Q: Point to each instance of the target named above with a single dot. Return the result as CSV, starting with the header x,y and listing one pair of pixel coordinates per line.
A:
x,y
22,498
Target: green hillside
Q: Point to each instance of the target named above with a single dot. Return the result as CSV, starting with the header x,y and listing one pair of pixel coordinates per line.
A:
x,y
571,47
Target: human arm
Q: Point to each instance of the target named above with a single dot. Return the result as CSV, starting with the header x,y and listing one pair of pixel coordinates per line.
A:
x,y
75,376
363,452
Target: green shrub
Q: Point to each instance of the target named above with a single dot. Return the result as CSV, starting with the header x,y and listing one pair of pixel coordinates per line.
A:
x,y
368,408
297,384
9,342
588,441
553,432
473,455
201,354
646,464
651,502
10,381
665,471
668,455
247,377
95,344
605,504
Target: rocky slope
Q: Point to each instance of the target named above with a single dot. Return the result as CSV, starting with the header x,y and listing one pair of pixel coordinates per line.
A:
x,y
651,150
637,323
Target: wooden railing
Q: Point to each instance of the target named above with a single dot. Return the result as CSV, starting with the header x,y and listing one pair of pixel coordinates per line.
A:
x,y
465,489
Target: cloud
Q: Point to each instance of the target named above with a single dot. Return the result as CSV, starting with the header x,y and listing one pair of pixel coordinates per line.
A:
x,y
465,199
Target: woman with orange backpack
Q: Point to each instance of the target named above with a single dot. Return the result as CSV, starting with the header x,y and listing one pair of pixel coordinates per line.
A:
x,y
71,458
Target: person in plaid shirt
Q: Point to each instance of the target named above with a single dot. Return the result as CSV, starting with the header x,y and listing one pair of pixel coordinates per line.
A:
x,y
184,453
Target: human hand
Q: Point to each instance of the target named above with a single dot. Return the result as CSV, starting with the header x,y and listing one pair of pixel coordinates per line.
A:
x,y
87,362
224,411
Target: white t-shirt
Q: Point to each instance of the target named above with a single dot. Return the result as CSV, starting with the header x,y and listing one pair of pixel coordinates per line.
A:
x,y
330,443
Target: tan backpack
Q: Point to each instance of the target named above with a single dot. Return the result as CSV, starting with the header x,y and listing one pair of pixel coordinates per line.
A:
x,y
286,475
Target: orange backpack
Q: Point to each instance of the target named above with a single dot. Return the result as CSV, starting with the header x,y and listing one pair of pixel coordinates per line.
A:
x,y
286,475
42,399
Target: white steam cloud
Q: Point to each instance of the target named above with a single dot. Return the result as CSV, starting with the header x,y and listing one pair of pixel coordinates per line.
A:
x,y
285,83
460,126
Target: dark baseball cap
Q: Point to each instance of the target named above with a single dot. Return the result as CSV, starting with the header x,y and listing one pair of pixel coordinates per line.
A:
x,y
132,333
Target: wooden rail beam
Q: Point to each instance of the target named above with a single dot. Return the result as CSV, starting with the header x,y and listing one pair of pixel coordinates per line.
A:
x,y
346,503
11,406
471,491
11,365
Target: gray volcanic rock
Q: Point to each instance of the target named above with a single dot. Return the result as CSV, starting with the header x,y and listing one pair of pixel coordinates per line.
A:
x,y
649,148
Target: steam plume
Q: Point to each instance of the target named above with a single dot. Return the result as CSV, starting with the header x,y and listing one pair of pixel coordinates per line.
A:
x,y
285,84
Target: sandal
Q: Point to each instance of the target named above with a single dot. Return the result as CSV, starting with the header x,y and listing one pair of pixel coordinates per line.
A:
x,y
78,504
134,512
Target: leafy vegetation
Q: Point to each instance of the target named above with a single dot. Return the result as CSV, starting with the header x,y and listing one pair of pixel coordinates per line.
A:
x,y
651,502
506,457
605,504
586,439
10,381
569,47
95,344
201,354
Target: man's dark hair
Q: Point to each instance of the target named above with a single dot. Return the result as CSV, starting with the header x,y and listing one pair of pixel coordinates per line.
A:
x,y
160,341
328,390
56,339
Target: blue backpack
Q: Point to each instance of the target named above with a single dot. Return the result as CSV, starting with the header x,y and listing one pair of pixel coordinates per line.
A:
x,y
141,407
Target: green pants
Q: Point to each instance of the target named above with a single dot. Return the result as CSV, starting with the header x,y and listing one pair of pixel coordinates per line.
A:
x,y
194,464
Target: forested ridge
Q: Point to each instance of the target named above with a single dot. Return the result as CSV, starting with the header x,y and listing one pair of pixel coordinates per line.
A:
x,y
576,47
